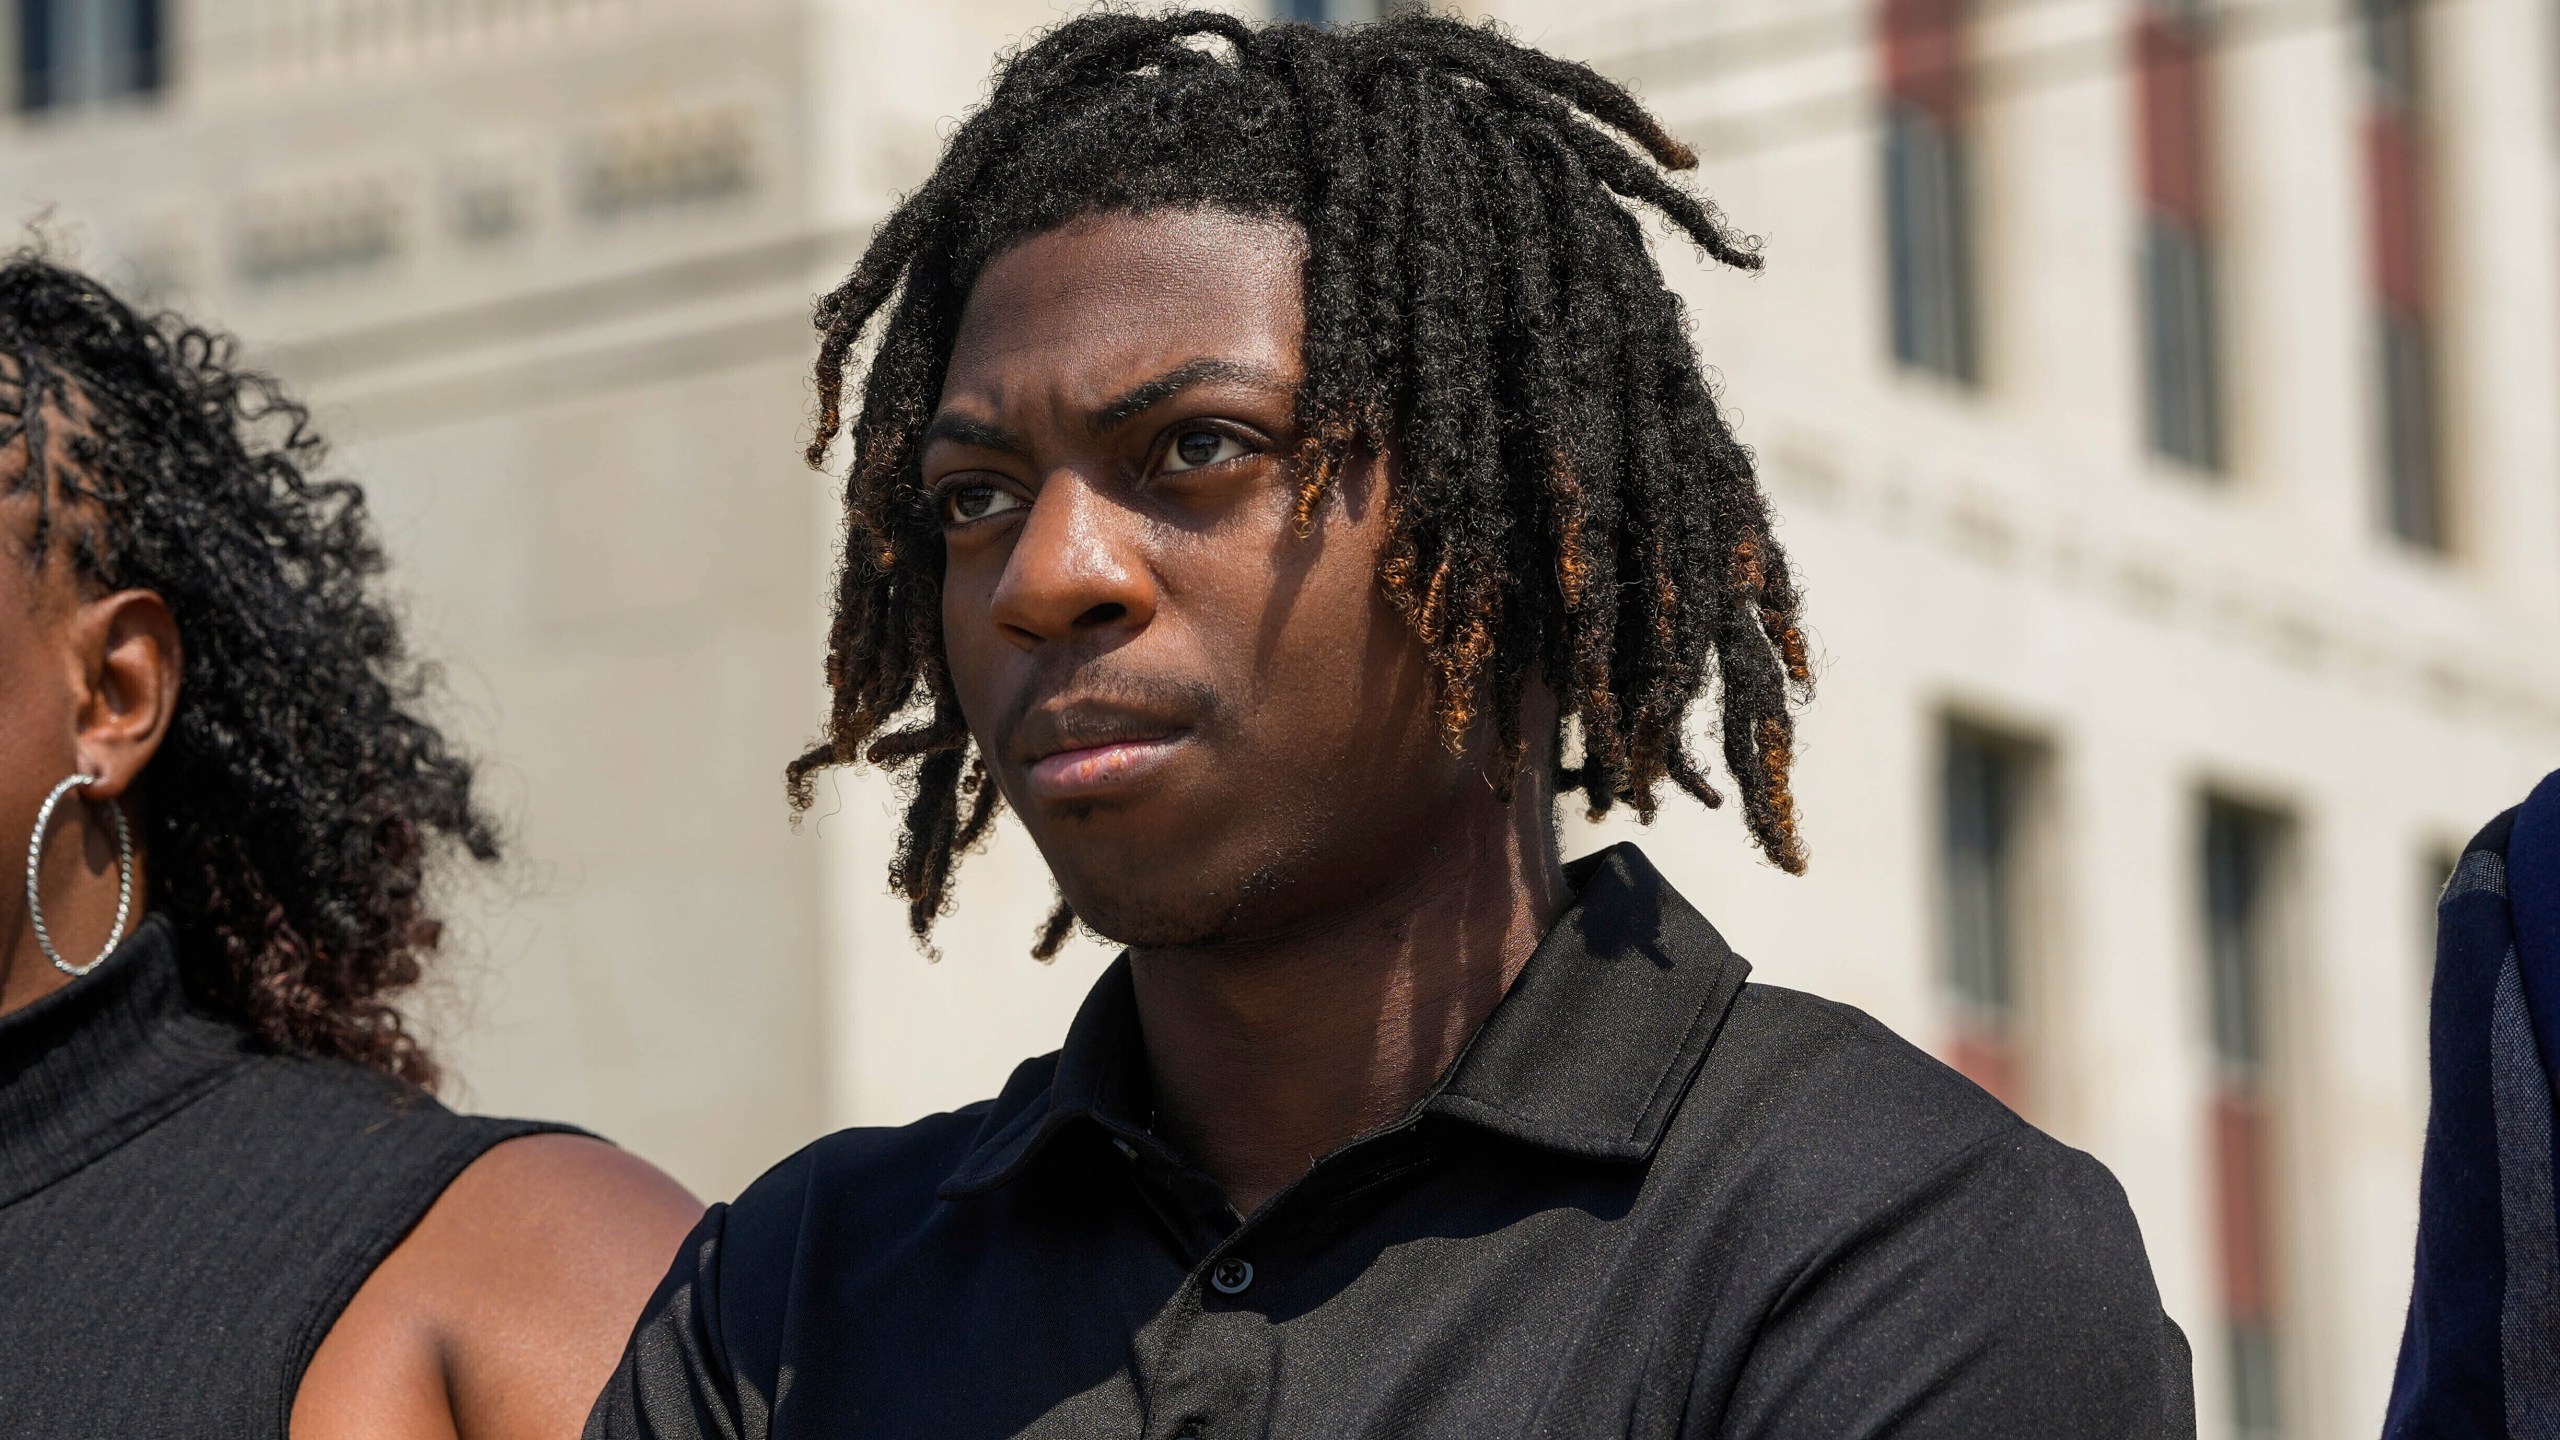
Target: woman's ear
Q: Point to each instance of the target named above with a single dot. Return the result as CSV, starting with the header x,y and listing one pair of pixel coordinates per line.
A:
x,y
130,662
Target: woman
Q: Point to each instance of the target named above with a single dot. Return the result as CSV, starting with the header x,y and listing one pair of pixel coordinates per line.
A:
x,y
228,1204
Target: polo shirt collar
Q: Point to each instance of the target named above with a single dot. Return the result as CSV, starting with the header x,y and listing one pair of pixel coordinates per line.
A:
x,y
1599,1037
1589,1053
1100,1076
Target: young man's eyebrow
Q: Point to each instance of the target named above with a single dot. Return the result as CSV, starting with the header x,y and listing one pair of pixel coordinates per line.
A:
x,y
960,430
1147,394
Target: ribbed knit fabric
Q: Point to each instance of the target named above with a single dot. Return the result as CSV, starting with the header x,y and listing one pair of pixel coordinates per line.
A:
x,y
183,1217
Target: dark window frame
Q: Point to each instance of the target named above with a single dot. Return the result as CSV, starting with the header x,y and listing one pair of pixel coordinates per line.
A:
x,y
76,53
2182,345
1928,190
1932,280
2244,854
2413,480
2413,477
2179,283
1991,790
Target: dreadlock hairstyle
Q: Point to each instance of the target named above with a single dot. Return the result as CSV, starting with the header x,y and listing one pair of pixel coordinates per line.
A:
x,y
1478,293
294,808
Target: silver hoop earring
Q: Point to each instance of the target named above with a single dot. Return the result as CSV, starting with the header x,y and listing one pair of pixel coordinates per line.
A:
x,y
124,878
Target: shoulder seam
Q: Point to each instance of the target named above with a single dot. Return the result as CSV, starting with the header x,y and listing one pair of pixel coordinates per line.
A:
x,y
1847,1236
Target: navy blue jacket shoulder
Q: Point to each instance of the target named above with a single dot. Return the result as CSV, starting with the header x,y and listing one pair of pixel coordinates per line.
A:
x,y
2480,1354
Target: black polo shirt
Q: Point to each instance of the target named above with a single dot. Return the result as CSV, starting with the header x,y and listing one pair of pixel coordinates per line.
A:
x,y
1648,1200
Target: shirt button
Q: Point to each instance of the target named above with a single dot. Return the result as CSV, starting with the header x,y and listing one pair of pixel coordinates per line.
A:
x,y
1231,1276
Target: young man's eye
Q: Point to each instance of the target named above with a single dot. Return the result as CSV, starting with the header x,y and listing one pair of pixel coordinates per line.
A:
x,y
964,503
1200,446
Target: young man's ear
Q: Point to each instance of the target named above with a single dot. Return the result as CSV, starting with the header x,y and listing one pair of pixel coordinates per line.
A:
x,y
127,649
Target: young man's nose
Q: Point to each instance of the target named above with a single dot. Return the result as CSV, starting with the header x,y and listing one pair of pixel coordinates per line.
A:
x,y
1076,567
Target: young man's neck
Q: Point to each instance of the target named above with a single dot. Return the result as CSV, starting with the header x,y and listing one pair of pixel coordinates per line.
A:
x,y
1268,1056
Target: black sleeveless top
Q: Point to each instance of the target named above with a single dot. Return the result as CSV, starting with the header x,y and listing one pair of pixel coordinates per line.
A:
x,y
182,1216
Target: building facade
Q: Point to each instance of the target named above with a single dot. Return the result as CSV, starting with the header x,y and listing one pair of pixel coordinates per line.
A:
x,y
2157,397
2156,394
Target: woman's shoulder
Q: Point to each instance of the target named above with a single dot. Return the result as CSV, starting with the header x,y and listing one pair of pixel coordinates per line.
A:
x,y
503,1310
503,1261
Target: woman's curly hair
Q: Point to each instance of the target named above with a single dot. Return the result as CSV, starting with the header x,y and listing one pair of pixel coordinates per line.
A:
x,y
1480,300
299,800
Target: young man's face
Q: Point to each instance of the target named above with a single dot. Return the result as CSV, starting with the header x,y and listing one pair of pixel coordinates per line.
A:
x,y
1215,728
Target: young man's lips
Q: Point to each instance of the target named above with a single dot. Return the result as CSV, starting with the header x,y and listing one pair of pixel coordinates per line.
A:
x,y
1097,769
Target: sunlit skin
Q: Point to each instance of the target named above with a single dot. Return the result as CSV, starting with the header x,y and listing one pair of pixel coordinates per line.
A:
x,y
1218,730
87,686
503,1312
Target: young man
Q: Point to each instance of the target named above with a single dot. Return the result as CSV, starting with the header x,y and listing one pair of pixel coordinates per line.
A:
x,y
1281,475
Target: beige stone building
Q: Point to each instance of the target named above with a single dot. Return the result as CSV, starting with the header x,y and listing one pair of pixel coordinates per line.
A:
x,y
2158,397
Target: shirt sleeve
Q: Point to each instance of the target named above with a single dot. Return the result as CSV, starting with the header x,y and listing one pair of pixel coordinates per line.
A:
x,y
674,1382
2005,1295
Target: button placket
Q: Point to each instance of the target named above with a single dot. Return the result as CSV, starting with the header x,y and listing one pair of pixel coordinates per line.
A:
x,y
1231,1276
1207,1365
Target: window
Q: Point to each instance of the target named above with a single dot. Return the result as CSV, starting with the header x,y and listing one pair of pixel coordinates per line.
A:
x,y
79,52
2242,854
1986,814
1927,187
2402,225
2414,508
2180,364
1341,12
